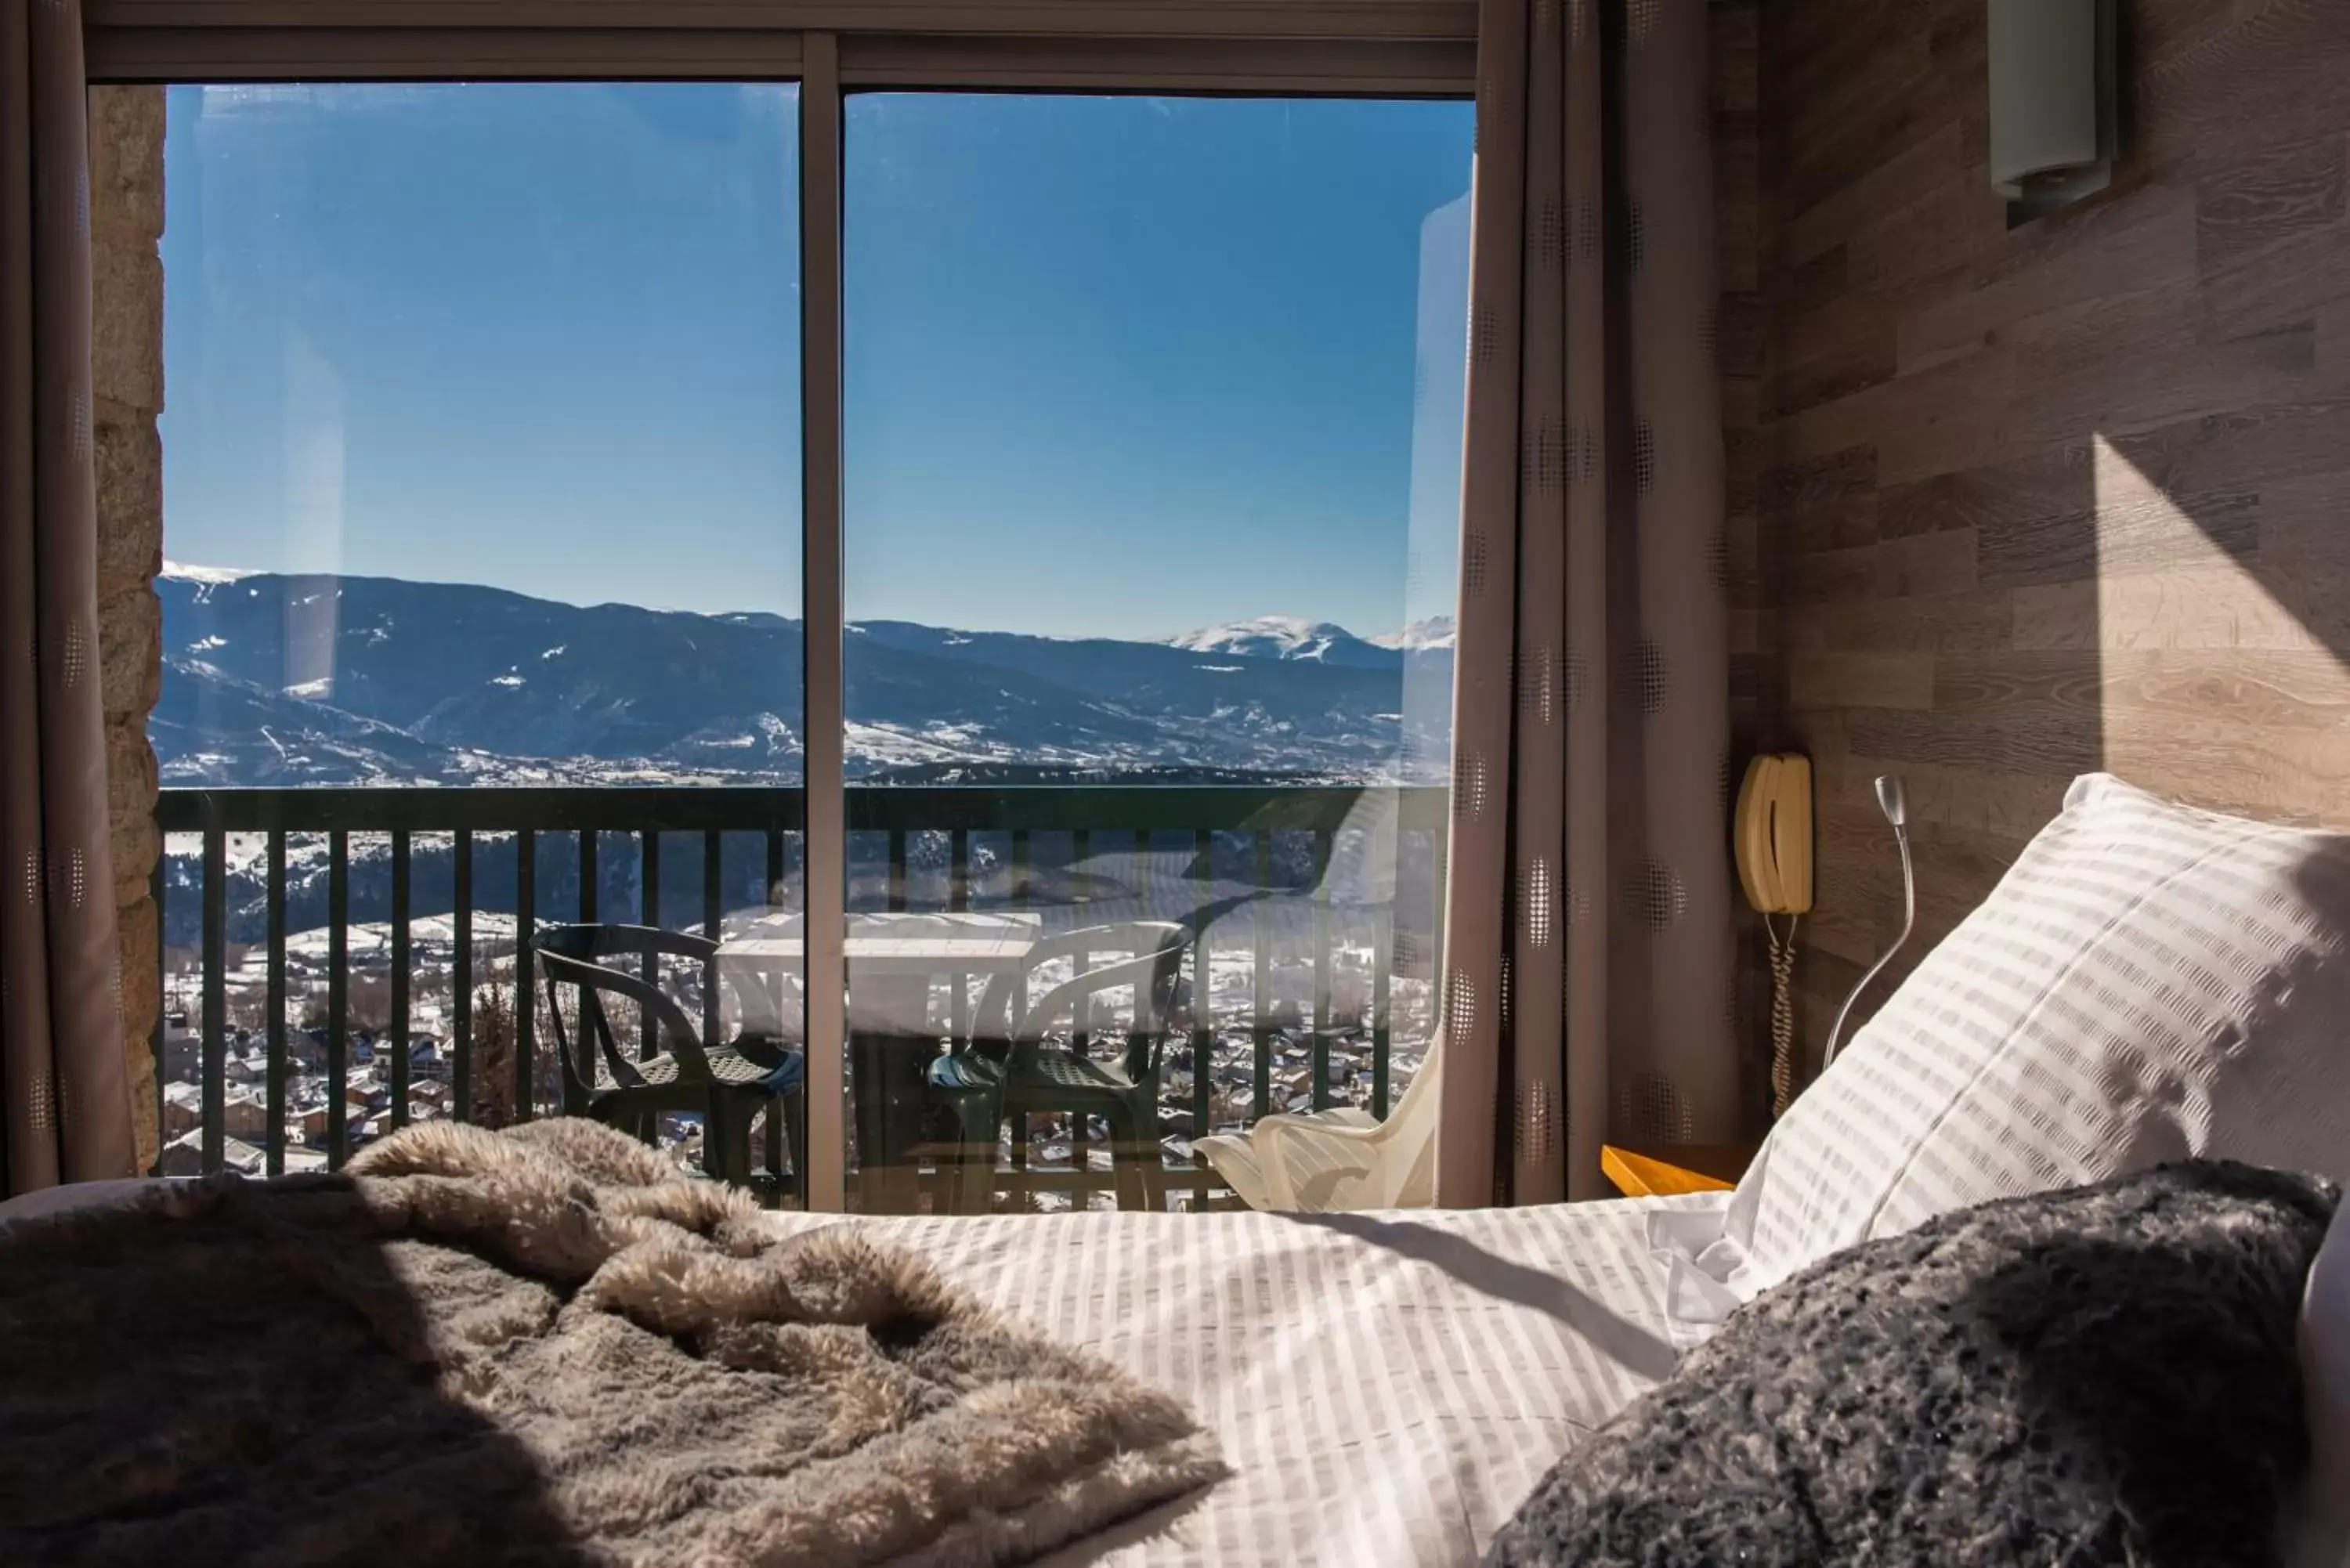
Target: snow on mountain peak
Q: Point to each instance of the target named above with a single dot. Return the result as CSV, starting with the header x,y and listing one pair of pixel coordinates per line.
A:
x,y
1436,632
1267,637
188,574
1294,637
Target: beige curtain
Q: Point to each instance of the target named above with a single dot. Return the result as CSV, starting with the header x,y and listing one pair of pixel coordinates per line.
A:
x,y
65,1103
1588,942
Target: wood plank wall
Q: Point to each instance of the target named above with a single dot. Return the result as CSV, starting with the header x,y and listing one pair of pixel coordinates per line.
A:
x,y
2070,497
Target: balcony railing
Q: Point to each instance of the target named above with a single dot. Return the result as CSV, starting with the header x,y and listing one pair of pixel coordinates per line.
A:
x,y
443,886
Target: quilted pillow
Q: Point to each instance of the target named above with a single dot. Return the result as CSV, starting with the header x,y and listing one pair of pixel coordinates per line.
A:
x,y
2101,1376
2147,982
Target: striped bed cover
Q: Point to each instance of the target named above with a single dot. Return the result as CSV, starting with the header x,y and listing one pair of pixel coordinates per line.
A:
x,y
1387,1387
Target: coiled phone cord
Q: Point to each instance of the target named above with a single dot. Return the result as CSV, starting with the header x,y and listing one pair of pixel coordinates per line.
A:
x,y
1783,1013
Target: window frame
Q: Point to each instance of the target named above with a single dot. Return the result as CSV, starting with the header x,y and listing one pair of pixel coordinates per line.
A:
x,y
1337,48
1381,48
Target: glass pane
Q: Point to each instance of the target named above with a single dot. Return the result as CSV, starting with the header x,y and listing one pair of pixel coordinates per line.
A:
x,y
482,512
1152,425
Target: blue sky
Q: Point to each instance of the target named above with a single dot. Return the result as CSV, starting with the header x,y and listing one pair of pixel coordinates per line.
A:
x,y
1121,366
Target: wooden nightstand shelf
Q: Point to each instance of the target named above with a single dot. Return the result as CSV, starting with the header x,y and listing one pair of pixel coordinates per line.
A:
x,y
1664,1169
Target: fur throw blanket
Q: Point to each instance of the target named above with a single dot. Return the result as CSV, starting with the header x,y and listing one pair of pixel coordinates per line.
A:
x,y
2104,1377
537,1347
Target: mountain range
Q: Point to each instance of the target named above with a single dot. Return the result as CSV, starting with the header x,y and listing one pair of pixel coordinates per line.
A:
x,y
300,679
1286,636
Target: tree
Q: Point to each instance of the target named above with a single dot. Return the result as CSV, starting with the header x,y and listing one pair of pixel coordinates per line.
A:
x,y
493,1054
248,1010
367,1003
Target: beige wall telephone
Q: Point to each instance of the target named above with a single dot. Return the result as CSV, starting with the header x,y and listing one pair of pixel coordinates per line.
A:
x,y
1774,833
1773,838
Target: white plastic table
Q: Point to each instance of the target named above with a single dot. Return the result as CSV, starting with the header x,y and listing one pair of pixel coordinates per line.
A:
x,y
892,958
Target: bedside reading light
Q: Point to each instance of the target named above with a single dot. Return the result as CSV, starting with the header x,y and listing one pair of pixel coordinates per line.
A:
x,y
1894,802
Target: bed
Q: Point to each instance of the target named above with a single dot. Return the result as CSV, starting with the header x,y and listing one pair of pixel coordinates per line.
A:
x,y
1386,1387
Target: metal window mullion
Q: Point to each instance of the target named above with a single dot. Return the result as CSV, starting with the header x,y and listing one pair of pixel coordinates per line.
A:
x,y
1279,68
820,580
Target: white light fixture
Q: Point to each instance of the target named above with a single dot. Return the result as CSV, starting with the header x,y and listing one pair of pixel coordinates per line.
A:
x,y
2055,120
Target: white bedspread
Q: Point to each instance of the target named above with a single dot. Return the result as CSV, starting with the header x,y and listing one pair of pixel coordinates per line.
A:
x,y
1387,1387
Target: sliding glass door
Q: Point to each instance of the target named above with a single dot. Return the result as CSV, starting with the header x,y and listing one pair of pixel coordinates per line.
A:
x,y
1117,439
1153,411
480,620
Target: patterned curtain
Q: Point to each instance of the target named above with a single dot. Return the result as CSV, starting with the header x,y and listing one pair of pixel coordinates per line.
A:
x,y
1588,937
65,1101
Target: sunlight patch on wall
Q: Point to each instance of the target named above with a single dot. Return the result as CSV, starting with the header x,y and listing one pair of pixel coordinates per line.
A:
x,y
2208,685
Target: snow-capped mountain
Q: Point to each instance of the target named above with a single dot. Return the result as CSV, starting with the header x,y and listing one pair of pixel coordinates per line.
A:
x,y
1427,636
272,679
1286,636
214,576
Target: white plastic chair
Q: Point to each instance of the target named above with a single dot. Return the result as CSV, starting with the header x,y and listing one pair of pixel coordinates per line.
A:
x,y
1338,1160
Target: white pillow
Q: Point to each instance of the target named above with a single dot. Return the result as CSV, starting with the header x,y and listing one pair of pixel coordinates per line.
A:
x,y
2146,983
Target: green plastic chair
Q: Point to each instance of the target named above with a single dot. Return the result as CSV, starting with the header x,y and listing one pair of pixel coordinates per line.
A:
x,y
1006,1069
729,1085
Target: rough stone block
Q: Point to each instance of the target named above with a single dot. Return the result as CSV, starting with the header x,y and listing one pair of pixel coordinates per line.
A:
x,y
129,764
130,807
129,499
134,847
136,929
130,652
126,158
139,1063
127,320
142,1001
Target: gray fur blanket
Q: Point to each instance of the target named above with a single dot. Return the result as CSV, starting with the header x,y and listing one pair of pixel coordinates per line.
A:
x,y
2102,1377
541,1347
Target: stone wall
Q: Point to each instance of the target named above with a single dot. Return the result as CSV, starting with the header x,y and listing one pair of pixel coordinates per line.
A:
x,y
126,226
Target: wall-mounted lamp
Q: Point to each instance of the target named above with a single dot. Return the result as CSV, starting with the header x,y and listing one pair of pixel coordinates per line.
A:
x,y
2056,123
1894,802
